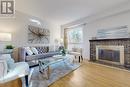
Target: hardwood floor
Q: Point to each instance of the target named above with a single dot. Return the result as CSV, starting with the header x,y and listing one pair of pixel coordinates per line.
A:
x,y
95,75
14,83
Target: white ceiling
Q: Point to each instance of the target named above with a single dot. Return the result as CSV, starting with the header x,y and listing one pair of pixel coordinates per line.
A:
x,y
64,11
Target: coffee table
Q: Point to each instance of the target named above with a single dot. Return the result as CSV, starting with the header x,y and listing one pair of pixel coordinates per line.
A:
x,y
44,64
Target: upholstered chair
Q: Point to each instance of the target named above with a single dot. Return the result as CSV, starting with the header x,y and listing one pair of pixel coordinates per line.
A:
x,y
11,71
77,52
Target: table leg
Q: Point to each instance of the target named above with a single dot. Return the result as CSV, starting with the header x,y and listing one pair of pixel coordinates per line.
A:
x,y
40,67
48,72
73,60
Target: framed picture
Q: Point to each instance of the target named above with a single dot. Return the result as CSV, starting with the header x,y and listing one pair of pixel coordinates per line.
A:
x,y
111,33
37,35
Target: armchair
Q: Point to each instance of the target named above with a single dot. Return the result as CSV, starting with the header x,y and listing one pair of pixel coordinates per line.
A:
x,y
11,71
77,52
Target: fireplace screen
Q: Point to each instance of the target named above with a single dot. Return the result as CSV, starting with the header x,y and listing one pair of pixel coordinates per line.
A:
x,y
109,55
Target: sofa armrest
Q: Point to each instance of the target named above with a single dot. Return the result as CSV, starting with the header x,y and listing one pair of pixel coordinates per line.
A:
x,y
3,68
22,54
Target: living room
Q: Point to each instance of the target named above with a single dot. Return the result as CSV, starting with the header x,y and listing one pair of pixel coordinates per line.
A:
x,y
64,43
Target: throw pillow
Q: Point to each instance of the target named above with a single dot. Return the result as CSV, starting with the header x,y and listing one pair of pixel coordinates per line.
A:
x,y
9,60
34,50
28,51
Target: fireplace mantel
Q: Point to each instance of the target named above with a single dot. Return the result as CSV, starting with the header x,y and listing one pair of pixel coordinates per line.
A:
x,y
111,42
110,39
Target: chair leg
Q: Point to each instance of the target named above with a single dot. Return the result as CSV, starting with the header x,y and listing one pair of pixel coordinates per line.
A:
x,y
75,57
82,58
26,81
79,59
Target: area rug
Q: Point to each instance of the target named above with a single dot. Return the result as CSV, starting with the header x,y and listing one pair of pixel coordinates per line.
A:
x,y
58,70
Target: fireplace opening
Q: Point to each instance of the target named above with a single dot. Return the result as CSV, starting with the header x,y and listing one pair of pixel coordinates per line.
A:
x,y
111,54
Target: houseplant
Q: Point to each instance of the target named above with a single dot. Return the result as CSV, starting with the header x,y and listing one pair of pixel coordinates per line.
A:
x,y
62,50
9,48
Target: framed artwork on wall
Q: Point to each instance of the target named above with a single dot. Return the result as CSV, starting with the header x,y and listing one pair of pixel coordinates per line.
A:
x,y
37,35
111,33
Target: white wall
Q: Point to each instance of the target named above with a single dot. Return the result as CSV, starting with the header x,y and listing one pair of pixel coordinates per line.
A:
x,y
90,30
18,27
56,32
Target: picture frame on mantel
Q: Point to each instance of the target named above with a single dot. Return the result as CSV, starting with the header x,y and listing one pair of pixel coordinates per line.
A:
x,y
113,33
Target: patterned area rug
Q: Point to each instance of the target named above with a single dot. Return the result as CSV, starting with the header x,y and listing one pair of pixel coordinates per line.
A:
x,y
58,70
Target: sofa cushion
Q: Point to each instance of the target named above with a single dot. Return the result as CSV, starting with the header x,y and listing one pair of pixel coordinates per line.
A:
x,y
50,54
34,57
75,53
41,56
34,50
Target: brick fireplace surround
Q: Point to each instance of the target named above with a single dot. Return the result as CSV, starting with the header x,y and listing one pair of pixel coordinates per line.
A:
x,y
111,42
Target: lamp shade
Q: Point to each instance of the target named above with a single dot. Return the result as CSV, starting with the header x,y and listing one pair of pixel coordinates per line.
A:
x,y
61,40
5,37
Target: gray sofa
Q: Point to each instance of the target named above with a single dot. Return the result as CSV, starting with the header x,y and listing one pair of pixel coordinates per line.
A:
x,y
43,52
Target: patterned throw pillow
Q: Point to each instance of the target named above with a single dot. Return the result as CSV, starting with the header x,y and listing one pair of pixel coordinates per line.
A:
x,y
34,50
39,50
42,49
28,51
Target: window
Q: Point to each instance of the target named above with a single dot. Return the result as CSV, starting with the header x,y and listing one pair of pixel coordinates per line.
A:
x,y
75,37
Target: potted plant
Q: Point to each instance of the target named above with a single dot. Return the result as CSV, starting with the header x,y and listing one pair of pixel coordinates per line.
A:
x,y
62,50
9,48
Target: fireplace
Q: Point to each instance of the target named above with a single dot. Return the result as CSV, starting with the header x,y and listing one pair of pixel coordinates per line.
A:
x,y
110,54
121,45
